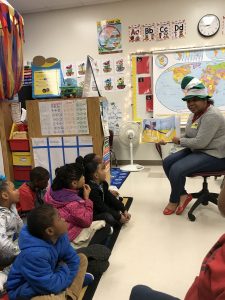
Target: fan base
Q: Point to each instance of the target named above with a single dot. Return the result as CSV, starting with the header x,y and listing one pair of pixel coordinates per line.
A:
x,y
132,168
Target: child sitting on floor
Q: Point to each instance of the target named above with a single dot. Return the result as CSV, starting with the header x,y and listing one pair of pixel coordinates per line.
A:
x,y
106,206
10,226
77,212
47,264
32,193
94,157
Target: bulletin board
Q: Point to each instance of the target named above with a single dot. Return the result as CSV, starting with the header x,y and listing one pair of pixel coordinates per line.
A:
x,y
142,86
112,74
53,150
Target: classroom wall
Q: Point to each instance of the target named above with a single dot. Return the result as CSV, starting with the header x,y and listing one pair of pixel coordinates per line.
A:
x,y
71,33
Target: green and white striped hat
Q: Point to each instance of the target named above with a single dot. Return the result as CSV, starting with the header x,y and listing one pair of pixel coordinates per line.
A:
x,y
193,87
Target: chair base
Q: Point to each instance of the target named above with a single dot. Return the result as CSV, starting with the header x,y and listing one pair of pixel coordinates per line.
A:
x,y
203,197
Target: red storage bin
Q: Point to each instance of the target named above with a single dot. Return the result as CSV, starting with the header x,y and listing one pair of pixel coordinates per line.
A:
x,y
19,145
21,173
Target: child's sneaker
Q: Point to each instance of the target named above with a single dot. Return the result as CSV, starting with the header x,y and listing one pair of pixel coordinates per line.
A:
x,y
88,279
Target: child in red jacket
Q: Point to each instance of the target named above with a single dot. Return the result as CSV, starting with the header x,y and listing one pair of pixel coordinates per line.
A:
x,y
31,194
209,285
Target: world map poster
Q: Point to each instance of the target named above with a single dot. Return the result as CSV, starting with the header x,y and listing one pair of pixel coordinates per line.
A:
x,y
169,70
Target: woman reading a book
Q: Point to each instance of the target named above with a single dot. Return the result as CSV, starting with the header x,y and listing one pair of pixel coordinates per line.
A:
x,y
203,143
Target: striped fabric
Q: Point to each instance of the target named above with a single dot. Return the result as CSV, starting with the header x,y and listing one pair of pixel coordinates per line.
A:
x,y
11,50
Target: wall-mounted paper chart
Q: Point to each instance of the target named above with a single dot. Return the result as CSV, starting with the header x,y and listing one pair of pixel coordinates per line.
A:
x,y
65,117
53,152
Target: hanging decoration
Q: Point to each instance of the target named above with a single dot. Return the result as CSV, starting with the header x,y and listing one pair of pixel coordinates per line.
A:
x,y
11,50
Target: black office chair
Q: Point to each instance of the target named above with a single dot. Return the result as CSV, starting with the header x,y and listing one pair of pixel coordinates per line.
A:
x,y
204,196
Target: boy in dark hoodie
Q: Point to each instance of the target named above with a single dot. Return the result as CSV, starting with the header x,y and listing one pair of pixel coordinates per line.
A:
x,y
47,264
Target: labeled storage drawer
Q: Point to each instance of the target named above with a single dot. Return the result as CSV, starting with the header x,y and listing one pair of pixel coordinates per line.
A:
x,y
21,173
18,140
21,158
19,145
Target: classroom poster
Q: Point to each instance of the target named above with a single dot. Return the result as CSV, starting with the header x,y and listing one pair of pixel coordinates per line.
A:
x,y
81,68
108,84
69,70
135,33
46,83
107,66
141,86
143,64
170,68
144,85
163,31
149,32
121,83
115,117
178,29
155,130
119,65
149,103
109,36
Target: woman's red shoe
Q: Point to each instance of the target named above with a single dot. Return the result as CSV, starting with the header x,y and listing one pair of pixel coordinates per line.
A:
x,y
181,208
168,211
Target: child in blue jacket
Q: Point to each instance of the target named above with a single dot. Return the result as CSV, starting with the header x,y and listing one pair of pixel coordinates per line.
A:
x,y
47,264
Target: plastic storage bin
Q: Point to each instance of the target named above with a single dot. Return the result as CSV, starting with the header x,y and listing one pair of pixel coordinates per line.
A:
x,y
18,144
21,173
21,159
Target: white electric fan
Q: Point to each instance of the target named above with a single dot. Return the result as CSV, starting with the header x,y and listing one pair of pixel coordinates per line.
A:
x,y
129,135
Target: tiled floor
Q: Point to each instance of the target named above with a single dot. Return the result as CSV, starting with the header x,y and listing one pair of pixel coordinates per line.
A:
x,y
164,252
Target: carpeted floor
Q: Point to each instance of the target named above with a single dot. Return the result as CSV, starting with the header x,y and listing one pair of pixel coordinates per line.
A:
x,y
118,177
88,293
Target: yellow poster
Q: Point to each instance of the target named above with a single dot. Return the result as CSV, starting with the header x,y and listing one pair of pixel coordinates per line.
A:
x,y
160,129
47,82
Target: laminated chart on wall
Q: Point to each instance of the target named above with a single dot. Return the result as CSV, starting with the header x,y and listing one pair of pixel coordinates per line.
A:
x,y
142,97
65,117
169,68
53,152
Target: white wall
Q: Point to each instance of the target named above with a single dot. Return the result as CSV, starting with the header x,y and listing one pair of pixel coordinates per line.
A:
x,y
72,33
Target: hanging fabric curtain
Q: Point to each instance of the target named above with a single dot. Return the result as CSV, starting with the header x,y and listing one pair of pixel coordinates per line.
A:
x,y
11,50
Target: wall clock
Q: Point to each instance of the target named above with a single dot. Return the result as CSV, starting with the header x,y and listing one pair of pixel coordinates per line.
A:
x,y
208,25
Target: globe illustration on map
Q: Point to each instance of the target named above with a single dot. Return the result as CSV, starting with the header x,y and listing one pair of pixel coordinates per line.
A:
x,y
211,73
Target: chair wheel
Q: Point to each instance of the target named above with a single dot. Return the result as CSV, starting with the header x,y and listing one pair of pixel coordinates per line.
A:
x,y
191,217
